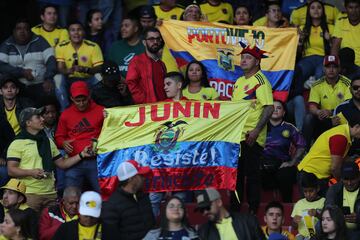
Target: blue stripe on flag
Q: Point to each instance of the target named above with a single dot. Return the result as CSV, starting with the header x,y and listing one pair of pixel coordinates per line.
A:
x,y
183,155
279,80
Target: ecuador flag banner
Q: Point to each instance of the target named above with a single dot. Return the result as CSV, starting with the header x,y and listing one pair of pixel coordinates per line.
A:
x,y
188,144
217,46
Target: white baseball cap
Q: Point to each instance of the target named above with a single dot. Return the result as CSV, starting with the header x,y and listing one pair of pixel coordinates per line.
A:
x,y
90,204
130,168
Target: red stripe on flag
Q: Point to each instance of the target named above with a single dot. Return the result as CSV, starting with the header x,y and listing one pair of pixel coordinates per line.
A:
x,y
108,186
281,95
181,62
179,179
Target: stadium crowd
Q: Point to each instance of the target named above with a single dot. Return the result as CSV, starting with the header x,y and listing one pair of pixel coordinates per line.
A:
x,y
57,77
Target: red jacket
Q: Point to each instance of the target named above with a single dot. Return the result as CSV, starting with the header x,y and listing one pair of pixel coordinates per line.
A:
x,y
139,79
50,221
79,126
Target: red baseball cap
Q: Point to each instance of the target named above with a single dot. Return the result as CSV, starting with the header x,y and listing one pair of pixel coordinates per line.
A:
x,y
79,88
331,59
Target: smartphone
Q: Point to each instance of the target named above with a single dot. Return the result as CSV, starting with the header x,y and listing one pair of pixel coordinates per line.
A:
x,y
346,210
94,144
76,59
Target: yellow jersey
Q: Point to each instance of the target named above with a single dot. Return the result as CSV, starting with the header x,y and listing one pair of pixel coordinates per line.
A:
x,y
221,12
226,229
257,90
308,223
349,35
318,160
174,13
206,93
12,119
349,199
88,55
316,41
89,233
327,96
25,151
54,37
285,233
298,15
263,22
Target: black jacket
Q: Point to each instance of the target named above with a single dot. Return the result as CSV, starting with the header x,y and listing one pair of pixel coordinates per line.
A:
x,y
126,218
334,196
70,231
245,227
109,97
7,134
1,213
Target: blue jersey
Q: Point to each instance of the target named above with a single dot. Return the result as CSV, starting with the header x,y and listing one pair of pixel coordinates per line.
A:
x,y
279,139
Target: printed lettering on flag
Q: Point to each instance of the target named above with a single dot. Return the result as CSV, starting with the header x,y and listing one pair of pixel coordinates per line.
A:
x,y
188,145
217,46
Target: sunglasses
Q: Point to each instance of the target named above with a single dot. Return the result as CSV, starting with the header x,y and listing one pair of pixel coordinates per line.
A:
x,y
203,209
355,88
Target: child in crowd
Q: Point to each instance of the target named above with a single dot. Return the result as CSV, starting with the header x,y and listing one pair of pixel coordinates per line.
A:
x,y
306,212
274,219
173,84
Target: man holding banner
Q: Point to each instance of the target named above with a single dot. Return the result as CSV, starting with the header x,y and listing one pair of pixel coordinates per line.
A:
x,y
255,88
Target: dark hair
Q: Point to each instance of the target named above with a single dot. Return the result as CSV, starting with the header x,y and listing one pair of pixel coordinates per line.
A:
x,y
351,1
247,9
5,78
150,29
90,14
274,204
282,104
123,183
323,25
21,218
22,20
204,79
309,180
43,8
270,3
338,217
75,22
355,78
49,100
134,20
175,76
164,222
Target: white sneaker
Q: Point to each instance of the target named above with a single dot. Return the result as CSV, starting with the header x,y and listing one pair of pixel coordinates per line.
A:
x,y
308,83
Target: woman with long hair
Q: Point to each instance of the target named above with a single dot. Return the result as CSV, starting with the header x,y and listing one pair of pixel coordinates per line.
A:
x,y
16,225
96,31
196,85
173,223
333,224
314,43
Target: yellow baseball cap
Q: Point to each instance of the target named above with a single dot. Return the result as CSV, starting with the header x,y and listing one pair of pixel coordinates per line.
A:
x,y
16,185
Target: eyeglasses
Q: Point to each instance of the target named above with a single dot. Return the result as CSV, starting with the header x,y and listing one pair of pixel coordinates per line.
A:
x,y
172,206
153,39
203,209
355,88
